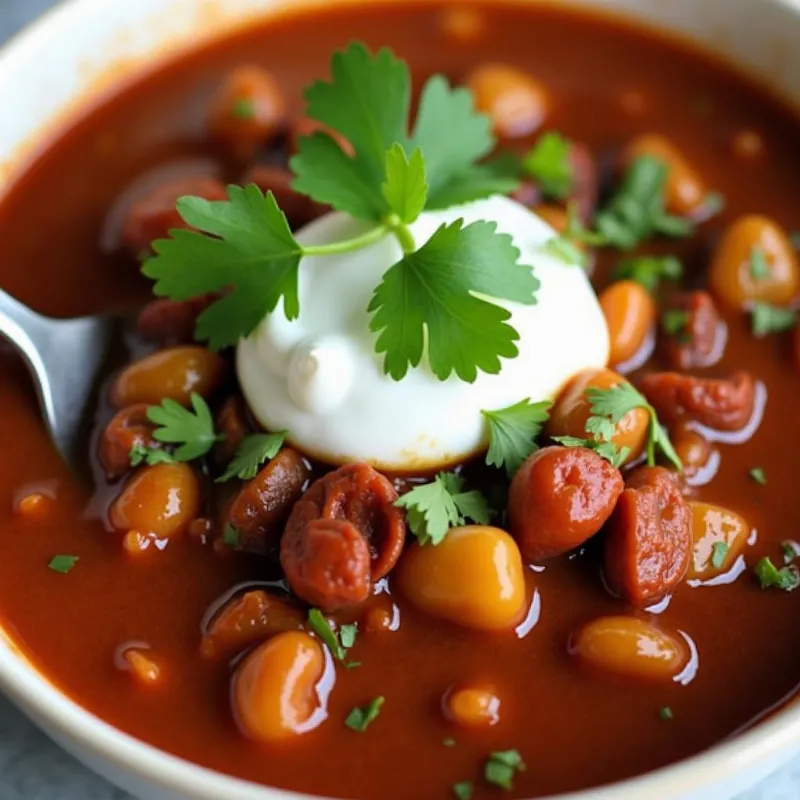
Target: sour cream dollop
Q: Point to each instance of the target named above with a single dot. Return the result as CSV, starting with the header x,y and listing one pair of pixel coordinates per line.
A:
x,y
319,378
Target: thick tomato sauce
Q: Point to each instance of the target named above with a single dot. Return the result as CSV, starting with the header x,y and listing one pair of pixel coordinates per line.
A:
x,y
60,223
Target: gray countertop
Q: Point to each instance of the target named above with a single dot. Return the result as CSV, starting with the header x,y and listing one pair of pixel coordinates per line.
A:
x,y
33,768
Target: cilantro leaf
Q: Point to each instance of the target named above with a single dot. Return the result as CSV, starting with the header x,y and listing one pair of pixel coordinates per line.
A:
x,y
192,430
253,451
791,550
758,475
767,318
319,624
141,454
367,100
675,322
474,183
433,508
230,536
636,211
769,576
549,164
63,563
469,135
244,242
616,456
718,552
649,271
463,790
610,405
512,432
431,295
359,719
406,187
666,713
501,767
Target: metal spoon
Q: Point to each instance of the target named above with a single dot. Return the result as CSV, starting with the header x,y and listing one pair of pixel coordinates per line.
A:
x,y
64,358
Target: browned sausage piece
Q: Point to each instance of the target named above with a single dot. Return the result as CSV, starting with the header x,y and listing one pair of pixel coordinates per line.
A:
x,y
722,404
298,208
231,424
155,215
361,495
649,538
260,509
559,498
171,321
692,332
327,563
127,428
246,620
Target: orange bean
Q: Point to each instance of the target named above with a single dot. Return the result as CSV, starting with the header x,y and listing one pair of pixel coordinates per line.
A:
x,y
685,190
630,648
516,103
173,373
693,449
734,277
275,692
462,24
34,506
472,707
142,665
719,535
631,317
160,501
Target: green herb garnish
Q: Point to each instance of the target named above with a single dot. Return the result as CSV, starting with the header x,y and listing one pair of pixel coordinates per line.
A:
x,y
438,300
649,271
63,563
769,576
359,719
666,713
767,318
759,266
675,323
449,741
549,164
193,431
636,212
463,790
142,454
616,456
758,475
253,451
501,768
244,108
513,431
230,536
433,508
718,552
337,644
791,550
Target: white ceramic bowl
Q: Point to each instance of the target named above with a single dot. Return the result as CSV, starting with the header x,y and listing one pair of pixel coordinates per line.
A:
x,y
85,44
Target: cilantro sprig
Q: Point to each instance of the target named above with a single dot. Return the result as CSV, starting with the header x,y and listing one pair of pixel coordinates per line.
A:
x,y
649,271
513,431
435,507
439,301
192,430
253,451
770,577
549,164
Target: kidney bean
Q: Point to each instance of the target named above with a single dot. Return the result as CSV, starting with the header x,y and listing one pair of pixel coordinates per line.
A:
x,y
649,538
732,277
248,110
247,620
127,428
172,373
472,706
262,506
685,190
327,563
361,495
699,339
474,578
230,423
156,214
516,103
171,321
160,501
298,208
630,315
572,410
559,498
722,404
715,527
275,693
630,648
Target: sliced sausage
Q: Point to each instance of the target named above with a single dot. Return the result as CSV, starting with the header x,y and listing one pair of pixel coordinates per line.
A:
x,y
649,538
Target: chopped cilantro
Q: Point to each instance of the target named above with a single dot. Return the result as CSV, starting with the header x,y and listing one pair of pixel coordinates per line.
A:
x,y
636,212
63,563
649,271
549,164
192,430
351,664
759,266
767,318
463,790
230,536
433,508
253,451
610,405
769,576
513,431
791,550
359,719
337,644
142,454
244,108
666,713
758,475
449,741
675,322
718,552
563,248
616,456
501,767
347,635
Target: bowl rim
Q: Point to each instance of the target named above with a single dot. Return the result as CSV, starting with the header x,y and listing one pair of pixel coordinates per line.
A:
x,y
774,733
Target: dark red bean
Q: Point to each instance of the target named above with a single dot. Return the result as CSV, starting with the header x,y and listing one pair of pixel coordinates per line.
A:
x,y
127,428
169,322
